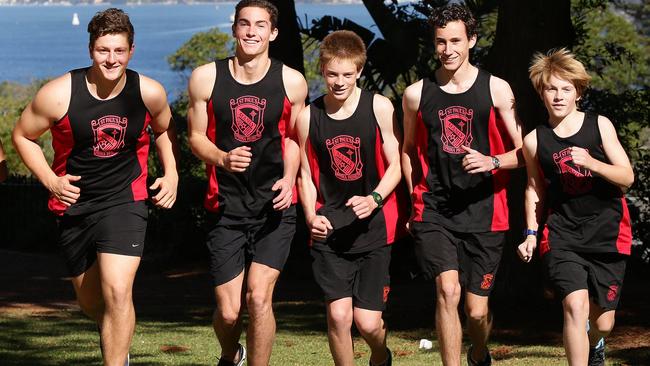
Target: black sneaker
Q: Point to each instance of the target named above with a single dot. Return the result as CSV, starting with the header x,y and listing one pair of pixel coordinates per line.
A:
x,y
596,356
470,362
388,362
242,358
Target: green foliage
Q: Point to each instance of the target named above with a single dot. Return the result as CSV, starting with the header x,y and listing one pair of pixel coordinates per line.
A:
x,y
202,48
311,54
14,98
640,13
629,110
486,33
612,50
190,165
616,56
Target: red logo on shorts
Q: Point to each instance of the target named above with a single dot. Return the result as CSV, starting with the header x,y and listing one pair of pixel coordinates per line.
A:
x,y
345,154
108,132
487,281
612,293
456,128
386,291
575,179
247,118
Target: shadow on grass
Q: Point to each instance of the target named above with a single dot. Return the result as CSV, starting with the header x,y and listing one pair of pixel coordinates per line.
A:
x,y
632,356
23,342
60,341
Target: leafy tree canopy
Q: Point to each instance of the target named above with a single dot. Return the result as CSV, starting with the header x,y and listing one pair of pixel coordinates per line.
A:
x,y
202,48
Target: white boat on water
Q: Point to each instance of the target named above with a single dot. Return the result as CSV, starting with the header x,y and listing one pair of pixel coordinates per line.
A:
x,y
75,19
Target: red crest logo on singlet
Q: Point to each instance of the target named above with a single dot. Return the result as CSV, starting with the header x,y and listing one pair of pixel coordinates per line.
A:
x,y
345,156
108,132
456,128
247,117
386,292
487,281
575,179
612,293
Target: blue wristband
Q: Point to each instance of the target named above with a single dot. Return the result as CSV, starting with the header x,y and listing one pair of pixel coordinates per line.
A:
x,y
530,232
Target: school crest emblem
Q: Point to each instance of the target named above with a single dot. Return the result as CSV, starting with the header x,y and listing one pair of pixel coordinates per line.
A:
x,y
247,117
487,281
385,295
108,135
345,157
612,293
456,128
575,179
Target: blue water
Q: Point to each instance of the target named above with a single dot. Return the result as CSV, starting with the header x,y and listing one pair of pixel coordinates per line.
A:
x,y
40,41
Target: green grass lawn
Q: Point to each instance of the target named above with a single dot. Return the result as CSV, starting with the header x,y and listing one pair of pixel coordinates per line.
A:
x,y
65,337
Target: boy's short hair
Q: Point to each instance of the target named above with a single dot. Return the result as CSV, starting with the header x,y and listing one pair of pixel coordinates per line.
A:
x,y
343,45
454,12
264,4
110,21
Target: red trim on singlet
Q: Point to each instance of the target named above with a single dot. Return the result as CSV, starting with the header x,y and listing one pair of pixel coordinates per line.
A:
x,y
314,168
498,138
422,148
624,240
390,203
62,143
544,245
139,185
211,202
283,127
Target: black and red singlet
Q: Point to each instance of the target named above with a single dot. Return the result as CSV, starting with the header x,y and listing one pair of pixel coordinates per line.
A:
x,y
446,194
106,143
346,159
255,115
586,213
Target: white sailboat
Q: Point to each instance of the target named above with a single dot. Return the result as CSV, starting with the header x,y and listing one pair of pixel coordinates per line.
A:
x,y
75,19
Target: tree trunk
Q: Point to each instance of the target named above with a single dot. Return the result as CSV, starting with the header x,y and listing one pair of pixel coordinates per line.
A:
x,y
288,46
523,28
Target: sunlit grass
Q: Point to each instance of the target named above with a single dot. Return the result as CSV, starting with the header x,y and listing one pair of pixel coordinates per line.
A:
x,y
65,337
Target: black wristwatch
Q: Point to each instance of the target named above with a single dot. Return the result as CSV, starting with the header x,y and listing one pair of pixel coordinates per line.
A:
x,y
379,200
496,162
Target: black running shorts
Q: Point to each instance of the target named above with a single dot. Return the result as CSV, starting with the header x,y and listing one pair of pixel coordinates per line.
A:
x,y
475,256
235,243
599,273
118,229
362,276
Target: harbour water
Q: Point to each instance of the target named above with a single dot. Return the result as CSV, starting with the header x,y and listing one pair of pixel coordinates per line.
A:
x,y
40,41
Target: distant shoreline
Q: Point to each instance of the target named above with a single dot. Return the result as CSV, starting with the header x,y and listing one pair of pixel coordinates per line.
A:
x,y
146,2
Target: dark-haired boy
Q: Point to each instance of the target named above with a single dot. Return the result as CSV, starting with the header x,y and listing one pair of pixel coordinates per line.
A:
x,y
99,118
458,125
241,116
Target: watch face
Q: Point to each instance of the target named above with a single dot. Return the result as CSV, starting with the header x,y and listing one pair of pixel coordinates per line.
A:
x,y
496,162
377,198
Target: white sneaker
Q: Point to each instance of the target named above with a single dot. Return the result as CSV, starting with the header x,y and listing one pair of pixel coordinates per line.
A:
x,y
242,356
